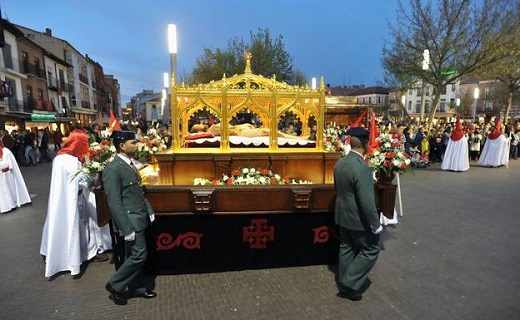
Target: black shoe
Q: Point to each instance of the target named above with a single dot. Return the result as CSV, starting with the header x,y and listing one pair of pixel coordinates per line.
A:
x,y
100,257
118,297
145,295
347,293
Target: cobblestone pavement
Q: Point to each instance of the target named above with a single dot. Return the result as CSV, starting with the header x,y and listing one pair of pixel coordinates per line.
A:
x,y
453,255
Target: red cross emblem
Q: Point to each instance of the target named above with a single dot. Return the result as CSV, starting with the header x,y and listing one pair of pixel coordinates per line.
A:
x,y
258,234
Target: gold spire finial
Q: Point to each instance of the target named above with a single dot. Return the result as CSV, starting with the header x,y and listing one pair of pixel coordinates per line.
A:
x,y
248,56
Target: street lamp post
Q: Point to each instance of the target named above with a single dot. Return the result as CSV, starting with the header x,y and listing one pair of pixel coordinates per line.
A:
x,y
170,111
403,102
425,67
476,93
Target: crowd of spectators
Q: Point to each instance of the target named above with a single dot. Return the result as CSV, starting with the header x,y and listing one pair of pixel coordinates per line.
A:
x,y
429,145
31,147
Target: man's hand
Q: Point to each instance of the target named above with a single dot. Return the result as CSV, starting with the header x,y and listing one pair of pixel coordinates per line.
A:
x,y
378,231
130,237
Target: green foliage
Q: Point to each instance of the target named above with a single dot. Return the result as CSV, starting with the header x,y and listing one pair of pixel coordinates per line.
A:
x,y
269,58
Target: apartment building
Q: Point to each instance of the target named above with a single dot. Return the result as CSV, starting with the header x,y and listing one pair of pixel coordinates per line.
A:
x,y
89,94
11,90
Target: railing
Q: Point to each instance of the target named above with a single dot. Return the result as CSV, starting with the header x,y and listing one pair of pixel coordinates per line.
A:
x,y
18,106
41,105
83,78
65,86
52,82
85,104
10,62
28,68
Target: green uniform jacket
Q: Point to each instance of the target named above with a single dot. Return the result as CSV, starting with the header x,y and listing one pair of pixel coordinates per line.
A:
x,y
355,202
125,196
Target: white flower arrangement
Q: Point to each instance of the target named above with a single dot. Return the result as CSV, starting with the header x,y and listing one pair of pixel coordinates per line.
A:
x,y
250,176
389,157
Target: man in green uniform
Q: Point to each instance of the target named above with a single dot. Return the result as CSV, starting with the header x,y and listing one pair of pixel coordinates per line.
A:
x,y
357,217
131,216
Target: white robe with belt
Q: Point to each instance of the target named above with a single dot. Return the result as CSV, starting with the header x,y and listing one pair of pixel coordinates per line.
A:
x,y
13,191
70,234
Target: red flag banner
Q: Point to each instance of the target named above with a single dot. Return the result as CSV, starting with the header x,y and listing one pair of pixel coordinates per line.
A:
x,y
374,133
113,123
359,120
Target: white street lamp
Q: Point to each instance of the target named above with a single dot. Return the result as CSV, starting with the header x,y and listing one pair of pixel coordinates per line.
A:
x,y
172,48
172,38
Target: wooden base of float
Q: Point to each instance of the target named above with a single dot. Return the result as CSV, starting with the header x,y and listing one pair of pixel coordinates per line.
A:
x,y
181,168
222,228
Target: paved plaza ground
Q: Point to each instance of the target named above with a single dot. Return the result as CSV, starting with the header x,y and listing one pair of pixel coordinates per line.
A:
x,y
455,254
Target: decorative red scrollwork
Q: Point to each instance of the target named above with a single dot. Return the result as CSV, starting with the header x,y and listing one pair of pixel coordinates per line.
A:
x,y
258,234
189,240
321,234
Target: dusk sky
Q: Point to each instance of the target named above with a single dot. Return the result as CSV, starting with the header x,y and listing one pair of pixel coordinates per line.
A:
x,y
340,40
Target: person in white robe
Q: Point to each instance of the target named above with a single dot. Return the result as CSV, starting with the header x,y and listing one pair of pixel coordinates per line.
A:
x,y
13,191
71,235
456,156
495,152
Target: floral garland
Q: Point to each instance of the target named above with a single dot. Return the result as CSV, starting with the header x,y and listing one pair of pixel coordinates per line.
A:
x,y
332,141
150,144
389,157
100,154
250,176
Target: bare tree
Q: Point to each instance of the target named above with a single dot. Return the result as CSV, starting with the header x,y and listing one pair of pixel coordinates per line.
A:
x,y
462,36
507,70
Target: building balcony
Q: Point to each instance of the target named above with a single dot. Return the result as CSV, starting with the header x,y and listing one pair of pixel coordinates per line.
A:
x,y
31,69
10,63
85,104
83,78
18,106
41,105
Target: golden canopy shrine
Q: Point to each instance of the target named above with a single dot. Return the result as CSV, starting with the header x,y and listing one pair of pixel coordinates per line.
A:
x,y
238,122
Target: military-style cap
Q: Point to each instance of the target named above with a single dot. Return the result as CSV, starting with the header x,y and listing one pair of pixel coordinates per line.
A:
x,y
123,135
357,132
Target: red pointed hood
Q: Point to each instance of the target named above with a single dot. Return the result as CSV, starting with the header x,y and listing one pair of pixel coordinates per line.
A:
x,y
496,131
76,145
458,133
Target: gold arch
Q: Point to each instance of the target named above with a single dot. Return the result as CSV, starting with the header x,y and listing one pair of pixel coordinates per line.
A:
x,y
268,98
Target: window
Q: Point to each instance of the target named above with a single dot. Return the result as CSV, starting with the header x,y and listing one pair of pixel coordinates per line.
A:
x,y
410,106
40,94
29,93
8,61
453,87
37,68
442,105
25,62
443,90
